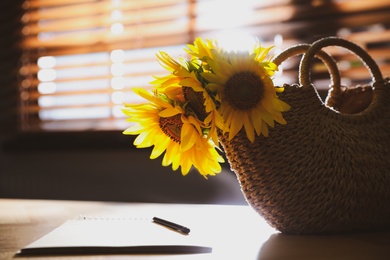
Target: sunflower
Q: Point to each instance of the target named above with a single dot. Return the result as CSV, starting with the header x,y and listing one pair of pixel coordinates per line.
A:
x,y
183,84
165,126
170,84
197,150
203,50
242,82
215,91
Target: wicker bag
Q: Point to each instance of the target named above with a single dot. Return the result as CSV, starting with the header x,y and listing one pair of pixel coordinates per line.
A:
x,y
326,171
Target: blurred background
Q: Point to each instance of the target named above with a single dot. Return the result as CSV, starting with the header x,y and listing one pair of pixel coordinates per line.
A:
x,y
67,66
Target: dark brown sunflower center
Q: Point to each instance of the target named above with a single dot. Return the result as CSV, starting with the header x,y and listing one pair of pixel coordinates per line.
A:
x,y
243,90
195,102
171,126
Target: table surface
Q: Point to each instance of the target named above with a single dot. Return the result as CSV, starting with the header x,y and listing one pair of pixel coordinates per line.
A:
x,y
236,232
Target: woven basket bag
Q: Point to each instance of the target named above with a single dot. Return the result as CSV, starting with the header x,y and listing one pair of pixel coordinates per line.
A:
x,y
326,171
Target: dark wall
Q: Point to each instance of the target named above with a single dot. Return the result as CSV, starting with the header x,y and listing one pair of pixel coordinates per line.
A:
x,y
101,166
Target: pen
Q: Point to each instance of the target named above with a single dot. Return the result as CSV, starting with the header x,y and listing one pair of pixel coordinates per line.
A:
x,y
172,225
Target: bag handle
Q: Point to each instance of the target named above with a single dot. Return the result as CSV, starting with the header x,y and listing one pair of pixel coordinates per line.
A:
x,y
328,60
304,67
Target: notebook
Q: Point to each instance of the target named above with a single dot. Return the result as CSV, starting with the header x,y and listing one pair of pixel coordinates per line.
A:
x,y
91,235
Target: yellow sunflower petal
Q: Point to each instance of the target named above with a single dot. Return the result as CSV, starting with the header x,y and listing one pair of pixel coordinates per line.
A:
x,y
170,111
235,126
249,129
257,121
185,165
159,147
175,156
188,137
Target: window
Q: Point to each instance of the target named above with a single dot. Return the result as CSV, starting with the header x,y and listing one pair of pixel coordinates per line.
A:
x,y
84,57
77,60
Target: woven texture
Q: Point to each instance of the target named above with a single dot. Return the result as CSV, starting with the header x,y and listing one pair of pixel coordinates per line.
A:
x,y
323,172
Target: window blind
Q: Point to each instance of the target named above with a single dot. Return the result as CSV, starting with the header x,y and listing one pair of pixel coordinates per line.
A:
x,y
86,55
79,59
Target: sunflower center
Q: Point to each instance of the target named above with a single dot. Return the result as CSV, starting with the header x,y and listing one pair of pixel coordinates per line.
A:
x,y
171,126
244,90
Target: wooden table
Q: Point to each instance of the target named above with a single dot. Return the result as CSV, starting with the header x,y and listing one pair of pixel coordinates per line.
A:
x,y
236,232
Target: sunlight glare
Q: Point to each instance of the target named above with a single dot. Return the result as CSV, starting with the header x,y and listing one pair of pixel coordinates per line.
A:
x,y
47,75
117,55
236,41
231,14
47,87
118,83
116,15
117,28
117,97
117,69
46,62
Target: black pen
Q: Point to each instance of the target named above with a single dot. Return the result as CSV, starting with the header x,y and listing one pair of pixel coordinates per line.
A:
x,y
172,225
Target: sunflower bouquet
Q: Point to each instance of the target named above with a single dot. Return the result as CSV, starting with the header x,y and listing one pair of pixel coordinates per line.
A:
x,y
214,92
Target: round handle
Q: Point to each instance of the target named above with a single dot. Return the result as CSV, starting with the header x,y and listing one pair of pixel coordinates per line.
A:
x,y
329,61
304,69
